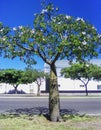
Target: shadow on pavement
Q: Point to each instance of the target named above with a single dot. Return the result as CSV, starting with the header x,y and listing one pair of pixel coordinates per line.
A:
x,y
40,111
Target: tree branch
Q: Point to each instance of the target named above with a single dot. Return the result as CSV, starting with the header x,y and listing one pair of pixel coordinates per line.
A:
x,y
83,81
43,57
27,49
56,58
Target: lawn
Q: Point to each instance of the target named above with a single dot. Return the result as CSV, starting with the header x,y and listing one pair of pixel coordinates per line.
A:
x,y
39,122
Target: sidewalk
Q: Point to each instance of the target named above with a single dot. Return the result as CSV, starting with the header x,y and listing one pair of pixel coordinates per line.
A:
x,y
46,95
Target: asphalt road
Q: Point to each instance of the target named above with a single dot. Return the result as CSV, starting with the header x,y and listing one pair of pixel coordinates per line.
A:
x,y
34,105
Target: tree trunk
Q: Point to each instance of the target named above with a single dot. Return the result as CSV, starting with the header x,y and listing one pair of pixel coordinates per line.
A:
x,y
15,87
54,102
86,90
38,91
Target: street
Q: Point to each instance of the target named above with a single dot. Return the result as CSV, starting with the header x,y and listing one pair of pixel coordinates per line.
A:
x,y
34,105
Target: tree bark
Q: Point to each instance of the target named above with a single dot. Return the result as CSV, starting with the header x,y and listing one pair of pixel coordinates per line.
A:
x,y
54,102
15,89
86,89
38,91
85,84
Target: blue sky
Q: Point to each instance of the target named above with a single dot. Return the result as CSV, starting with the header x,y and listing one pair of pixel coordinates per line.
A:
x,y
21,12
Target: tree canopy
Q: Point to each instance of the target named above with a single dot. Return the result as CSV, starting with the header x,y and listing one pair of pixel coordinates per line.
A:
x,y
12,76
55,36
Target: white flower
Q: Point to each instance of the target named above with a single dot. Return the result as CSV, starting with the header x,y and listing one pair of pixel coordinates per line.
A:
x,y
21,34
57,9
43,39
20,27
59,23
54,20
80,19
44,11
83,33
68,17
2,30
99,36
84,42
87,65
79,48
4,39
32,31
94,28
14,28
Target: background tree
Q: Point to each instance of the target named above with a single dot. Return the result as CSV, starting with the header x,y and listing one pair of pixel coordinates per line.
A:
x,y
13,77
54,36
17,77
35,76
83,72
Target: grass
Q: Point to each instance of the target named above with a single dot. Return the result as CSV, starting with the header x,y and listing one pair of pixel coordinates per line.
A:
x,y
39,122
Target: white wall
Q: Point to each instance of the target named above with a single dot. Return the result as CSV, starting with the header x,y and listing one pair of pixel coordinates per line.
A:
x,y
68,84
27,88
65,84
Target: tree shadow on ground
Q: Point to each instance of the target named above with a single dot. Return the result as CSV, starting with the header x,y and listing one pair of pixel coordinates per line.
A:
x,y
40,111
14,92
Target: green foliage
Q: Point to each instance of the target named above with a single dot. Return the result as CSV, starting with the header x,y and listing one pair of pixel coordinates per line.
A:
x,y
82,70
16,77
54,36
11,76
4,39
64,36
33,75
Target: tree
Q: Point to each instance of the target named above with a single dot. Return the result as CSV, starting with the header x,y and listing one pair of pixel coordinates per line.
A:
x,y
83,72
35,76
13,77
54,36
17,77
